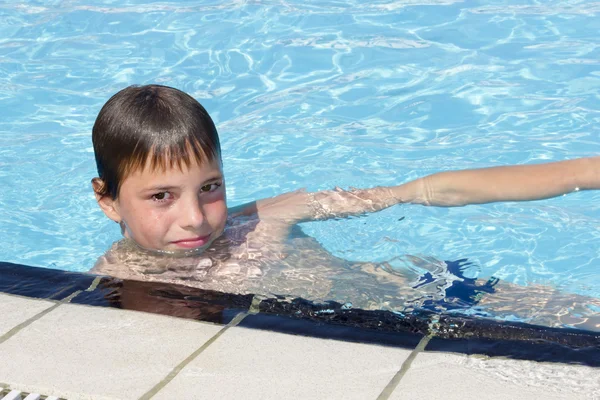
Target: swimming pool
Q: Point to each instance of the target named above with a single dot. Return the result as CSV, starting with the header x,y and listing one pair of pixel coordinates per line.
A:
x,y
316,94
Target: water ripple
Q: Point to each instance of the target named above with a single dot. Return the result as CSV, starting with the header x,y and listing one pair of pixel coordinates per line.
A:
x,y
316,94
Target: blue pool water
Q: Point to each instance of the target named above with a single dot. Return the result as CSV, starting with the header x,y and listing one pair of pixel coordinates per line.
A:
x,y
316,94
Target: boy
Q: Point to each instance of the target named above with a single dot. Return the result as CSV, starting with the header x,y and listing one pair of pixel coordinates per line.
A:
x,y
160,177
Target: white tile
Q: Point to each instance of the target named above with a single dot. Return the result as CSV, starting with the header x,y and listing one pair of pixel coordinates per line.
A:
x,y
79,352
435,375
15,310
13,395
253,364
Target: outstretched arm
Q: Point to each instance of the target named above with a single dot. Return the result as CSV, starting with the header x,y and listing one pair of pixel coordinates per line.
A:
x,y
444,189
509,183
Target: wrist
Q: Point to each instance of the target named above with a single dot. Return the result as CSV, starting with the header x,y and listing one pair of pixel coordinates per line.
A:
x,y
409,192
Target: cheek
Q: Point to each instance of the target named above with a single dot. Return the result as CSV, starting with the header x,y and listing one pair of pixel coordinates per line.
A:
x,y
216,211
146,222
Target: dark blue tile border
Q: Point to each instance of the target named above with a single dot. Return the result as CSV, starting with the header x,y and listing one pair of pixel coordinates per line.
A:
x,y
335,313
450,333
515,340
324,330
331,320
532,350
42,283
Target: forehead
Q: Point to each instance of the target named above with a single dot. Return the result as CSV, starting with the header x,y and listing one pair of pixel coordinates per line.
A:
x,y
165,173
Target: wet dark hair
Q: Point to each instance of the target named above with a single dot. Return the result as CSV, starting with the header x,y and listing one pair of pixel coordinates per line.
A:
x,y
153,124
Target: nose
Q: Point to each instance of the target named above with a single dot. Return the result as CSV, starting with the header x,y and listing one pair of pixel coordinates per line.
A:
x,y
191,213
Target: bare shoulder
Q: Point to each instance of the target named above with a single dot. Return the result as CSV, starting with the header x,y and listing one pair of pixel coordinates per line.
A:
x,y
286,208
243,227
112,263
105,265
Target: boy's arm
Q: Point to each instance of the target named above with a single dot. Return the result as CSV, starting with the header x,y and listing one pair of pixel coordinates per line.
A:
x,y
509,183
444,189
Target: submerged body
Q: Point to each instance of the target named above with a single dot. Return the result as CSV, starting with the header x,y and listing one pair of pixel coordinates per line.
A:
x,y
273,258
261,257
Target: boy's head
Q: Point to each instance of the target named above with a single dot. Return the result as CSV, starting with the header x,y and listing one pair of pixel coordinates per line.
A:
x,y
159,165
157,124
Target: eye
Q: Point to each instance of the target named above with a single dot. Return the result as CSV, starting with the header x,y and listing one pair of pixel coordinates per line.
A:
x,y
211,187
162,196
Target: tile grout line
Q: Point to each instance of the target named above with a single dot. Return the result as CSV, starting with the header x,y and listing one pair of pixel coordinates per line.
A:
x,y
94,284
395,381
39,315
255,305
177,369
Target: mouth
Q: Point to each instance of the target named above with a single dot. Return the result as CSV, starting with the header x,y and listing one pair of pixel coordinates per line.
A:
x,y
192,243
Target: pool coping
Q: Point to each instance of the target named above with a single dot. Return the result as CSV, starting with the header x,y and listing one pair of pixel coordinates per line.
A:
x,y
329,320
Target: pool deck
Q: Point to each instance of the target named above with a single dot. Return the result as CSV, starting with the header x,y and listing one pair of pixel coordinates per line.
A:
x,y
73,351
82,336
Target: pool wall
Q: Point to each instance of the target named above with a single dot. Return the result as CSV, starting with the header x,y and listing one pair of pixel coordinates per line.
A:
x,y
330,320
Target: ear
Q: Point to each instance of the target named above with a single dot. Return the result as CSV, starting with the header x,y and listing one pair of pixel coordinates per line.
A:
x,y
106,203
